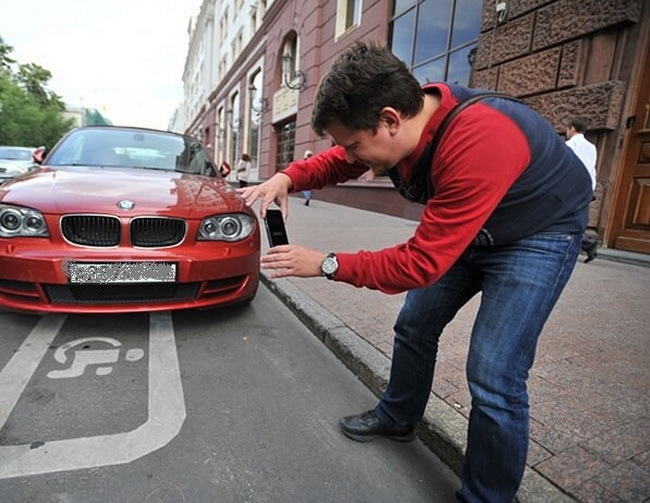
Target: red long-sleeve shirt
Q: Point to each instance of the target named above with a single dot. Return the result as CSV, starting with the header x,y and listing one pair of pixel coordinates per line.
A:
x,y
482,154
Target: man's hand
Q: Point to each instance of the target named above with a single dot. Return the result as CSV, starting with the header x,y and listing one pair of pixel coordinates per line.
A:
x,y
275,189
293,260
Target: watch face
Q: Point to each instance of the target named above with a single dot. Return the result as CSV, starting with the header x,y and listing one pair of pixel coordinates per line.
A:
x,y
329,266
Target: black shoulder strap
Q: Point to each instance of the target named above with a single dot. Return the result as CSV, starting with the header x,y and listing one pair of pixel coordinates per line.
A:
x,y
420,189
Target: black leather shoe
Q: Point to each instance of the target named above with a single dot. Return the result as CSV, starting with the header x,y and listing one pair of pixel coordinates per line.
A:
x,y
366,427
592,253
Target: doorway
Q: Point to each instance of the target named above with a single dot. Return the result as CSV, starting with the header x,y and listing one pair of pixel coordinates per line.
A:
x,y
630,226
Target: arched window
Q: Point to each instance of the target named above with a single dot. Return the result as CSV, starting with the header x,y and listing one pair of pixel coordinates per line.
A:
x,y
292,77
234,125
258,105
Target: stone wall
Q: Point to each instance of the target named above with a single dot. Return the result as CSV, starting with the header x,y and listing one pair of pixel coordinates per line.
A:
x,y
540,50
567,59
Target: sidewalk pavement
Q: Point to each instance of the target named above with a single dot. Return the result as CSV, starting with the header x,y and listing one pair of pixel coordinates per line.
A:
x,y
590,428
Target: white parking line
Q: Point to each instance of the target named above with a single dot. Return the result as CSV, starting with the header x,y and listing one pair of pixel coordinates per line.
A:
x,y
19,370
166,406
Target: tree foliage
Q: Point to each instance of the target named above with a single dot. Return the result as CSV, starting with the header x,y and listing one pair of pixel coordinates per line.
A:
x,y
30,113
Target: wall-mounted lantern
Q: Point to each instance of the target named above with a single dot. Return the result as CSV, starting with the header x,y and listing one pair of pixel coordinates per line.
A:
x,y
262,102
293,79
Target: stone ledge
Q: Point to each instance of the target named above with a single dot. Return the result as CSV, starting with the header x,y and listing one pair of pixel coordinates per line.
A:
x,y
601,102
567,19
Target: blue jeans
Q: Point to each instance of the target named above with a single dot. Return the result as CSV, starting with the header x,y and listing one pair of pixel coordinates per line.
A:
x,y
520,284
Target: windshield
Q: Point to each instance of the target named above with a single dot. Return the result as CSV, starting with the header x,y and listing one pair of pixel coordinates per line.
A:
x,y
130,148
15,154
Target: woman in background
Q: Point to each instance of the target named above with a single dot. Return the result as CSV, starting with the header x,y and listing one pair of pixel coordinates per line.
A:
x,y
244,166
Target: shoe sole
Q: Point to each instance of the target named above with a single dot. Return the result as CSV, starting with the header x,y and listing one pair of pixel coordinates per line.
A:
x,y
409,437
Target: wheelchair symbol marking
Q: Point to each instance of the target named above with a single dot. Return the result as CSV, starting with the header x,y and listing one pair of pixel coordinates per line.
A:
x,y
83,358
166,407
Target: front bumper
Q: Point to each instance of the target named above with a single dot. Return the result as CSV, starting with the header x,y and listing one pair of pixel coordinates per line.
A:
x,y
207,276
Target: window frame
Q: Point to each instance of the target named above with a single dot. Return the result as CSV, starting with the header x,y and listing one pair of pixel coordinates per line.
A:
x,y
446,56
348,16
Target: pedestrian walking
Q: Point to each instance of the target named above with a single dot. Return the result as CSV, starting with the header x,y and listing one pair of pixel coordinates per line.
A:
x,y
243,170
225,169
505,207
307,193
587,153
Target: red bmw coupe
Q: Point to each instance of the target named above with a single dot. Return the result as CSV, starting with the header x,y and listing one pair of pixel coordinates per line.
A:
x,y
121,219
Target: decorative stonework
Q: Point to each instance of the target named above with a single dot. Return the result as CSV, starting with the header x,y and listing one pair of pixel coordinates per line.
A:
x,y
514,9
600,103
506,42
531,74
569,64
518,7
486,79
568,19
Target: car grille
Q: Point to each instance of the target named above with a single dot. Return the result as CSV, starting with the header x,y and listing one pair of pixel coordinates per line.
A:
x,y
156,232
91,230
106,231
121,294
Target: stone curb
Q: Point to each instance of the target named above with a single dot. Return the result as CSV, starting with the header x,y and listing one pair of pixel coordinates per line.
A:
x,y
442,429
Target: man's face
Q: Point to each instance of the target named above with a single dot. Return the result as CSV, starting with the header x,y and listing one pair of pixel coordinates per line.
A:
x,y
375,149
570,131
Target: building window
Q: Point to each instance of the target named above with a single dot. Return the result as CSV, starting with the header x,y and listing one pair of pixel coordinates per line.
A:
x,y
234,125
257,105
436,38
239,43
348,16
286,134
290,60
220,132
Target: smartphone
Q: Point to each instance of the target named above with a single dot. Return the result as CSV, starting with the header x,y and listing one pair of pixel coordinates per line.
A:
x,y
275,229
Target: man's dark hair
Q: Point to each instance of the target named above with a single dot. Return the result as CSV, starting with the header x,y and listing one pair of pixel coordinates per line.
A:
x,y
580,125
363,80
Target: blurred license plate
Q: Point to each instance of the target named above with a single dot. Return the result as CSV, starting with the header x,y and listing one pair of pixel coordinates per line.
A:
x,y
121,272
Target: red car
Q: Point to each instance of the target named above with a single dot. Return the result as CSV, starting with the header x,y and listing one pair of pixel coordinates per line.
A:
x,y
121,219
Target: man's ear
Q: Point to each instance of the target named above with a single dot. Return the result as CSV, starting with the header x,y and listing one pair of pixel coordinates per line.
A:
x,y
391,117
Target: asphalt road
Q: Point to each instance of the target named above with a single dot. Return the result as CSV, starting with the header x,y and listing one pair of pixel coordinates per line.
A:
x,y
238,405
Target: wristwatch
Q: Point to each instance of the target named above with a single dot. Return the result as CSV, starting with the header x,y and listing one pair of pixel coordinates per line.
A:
x,y
329,266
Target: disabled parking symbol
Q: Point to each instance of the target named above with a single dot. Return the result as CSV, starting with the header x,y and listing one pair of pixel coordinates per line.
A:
x,y
83,358
165,405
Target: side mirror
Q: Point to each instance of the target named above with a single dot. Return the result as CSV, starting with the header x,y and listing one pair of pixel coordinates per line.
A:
x,y
39,155
210,170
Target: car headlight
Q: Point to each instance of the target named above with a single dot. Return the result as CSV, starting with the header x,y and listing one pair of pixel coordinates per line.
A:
x,y
231,227
16,221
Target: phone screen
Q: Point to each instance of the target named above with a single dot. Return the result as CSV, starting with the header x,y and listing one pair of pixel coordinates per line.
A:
x,y
275,229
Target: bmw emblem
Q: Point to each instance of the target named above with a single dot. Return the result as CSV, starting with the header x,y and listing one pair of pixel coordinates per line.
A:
x,y
126,205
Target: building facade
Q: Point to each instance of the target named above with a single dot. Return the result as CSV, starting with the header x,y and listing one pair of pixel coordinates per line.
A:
x,y
564,58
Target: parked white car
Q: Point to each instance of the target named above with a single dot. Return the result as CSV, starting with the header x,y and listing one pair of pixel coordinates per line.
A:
x,y
15,161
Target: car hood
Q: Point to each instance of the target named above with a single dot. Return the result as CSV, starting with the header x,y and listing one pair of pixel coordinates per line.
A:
x,y
99,190
11,163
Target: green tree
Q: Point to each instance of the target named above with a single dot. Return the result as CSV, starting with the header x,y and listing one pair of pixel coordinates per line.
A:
x,y
5,60
30,114
34,78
